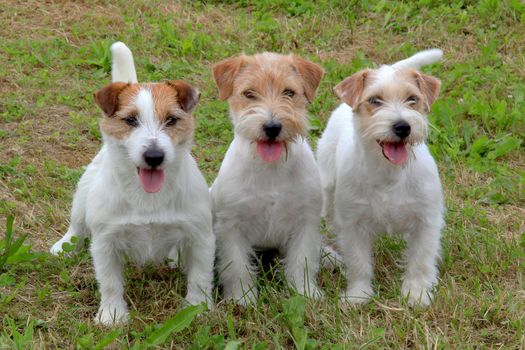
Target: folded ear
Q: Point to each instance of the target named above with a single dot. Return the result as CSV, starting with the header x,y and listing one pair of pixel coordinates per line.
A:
x,y
224,74
351,89
429,87
187,95
107,97
311,73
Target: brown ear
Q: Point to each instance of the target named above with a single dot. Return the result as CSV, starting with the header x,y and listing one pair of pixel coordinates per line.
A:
x,y
311,73
187,96
429,87
224,74
107,97
351,89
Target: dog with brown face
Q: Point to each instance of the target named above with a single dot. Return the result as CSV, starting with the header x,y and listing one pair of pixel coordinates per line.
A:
x,y
378,175
267,193
143,196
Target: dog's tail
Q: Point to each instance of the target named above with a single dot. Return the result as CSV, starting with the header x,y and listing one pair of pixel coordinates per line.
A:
x,y
420,59
122,67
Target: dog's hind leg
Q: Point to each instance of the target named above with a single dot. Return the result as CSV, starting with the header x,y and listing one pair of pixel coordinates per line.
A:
x,y
77,227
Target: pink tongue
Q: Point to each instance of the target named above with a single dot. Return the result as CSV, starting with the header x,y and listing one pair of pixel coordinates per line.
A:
x,y
395,152
269,151
151,179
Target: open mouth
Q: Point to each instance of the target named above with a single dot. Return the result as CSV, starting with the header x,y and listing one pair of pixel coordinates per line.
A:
x,y
151,179
395,152
269,151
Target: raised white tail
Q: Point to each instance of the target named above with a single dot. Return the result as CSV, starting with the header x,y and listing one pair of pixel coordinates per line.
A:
x,y
420,59
122,65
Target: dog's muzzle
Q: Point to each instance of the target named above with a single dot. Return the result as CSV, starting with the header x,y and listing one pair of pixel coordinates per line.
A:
x,y
153,157
272,129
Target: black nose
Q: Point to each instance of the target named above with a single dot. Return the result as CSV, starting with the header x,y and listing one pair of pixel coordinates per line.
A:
x,y
272,129
401,129
153,157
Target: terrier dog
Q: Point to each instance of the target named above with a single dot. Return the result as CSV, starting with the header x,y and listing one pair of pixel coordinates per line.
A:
x,y
268,192
379,177
143,195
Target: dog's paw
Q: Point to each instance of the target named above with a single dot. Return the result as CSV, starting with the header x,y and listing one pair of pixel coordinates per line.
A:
x,y
417,293
112,315
199,298
358,294
242,298
56,248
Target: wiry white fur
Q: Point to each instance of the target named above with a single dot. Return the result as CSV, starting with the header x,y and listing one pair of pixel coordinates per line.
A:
x,y
261,205
111,206
420,59
365,195
123,66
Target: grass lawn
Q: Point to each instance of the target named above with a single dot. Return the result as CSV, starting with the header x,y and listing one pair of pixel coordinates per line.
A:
x,y
55,54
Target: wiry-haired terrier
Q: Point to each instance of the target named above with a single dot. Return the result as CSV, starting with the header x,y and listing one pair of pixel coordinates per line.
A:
x,y
379,177
268,191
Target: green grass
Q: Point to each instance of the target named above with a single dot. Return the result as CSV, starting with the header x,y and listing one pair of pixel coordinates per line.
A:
x,y
55,55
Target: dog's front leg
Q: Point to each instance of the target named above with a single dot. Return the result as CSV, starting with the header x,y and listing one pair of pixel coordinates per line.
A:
x,y
199,270
421,273
236,271
356,247
109,272
302,261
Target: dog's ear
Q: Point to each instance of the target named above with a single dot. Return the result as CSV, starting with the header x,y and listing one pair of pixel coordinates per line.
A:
x,y
224,74
187,95
107,97
311,74
429,87
351,89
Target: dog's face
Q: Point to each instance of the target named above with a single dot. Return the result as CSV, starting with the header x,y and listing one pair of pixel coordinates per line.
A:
x,y
268,95
149,123
390,107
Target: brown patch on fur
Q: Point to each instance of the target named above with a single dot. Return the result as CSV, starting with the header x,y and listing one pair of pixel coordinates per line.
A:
x,y
430,87
268,77
173,99
187,96
356,91
312,75
113,99
224,74
107,98
351,89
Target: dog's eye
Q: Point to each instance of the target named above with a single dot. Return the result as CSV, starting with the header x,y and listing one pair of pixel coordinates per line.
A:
x,y
132,121
171,120
250,94
375,101
412,99
289,93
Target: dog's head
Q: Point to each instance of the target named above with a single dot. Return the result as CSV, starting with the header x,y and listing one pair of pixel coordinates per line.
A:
x,y
391,107
150,124
268,95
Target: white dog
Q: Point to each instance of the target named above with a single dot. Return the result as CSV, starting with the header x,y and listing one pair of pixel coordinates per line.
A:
x,y
379,177
143,195
268,192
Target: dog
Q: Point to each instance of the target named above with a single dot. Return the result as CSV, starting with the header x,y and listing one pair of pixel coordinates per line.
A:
x,y
267,193
378,175
143,196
